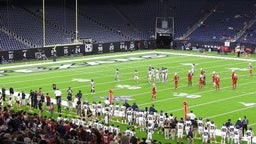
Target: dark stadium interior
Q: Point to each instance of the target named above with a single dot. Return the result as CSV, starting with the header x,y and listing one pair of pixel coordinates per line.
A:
x,y
198,21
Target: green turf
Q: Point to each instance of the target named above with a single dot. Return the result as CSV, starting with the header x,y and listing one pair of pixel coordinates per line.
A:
x,y
216,105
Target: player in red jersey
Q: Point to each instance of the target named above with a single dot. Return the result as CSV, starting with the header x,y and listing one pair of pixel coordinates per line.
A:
x,y
201,81
154,92
250,69
217,82
214,78
190,74
234,81
232,75
176,80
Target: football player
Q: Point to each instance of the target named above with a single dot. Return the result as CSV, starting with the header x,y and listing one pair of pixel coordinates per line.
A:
x,y
154,92
223,133
214,78
92,87
213,132
117,75
189,78
250,69
176,80
217,82
136,76
234,81
180,131
157,75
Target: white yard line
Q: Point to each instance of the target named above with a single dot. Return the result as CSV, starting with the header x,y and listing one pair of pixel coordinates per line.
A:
x,y
230,112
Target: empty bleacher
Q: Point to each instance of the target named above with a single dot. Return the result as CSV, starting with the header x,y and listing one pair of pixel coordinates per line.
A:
x,y
112,21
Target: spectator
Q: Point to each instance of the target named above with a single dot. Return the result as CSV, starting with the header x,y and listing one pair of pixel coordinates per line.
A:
x,y
51,109
48,100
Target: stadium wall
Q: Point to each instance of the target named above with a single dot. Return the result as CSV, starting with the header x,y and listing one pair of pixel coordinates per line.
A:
x,y
212,45
77,49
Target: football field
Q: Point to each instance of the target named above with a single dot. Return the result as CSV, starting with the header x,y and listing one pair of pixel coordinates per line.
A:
x,y
218,106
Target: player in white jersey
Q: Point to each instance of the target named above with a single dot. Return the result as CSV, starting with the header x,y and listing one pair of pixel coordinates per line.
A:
x,y
116,130
161,119
136,117
188,124
205,136
249,136
230,135
180,131
128,132
106,127
150,119
223,130
99,109
153,72
142,121
207,124
150,131
122,114
107,115
92,87
111,108
213,78
236,136
163,72
116,111
93,109
193,69
213,132
129,115
149,76
117,75
157,75
200,127
136,76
